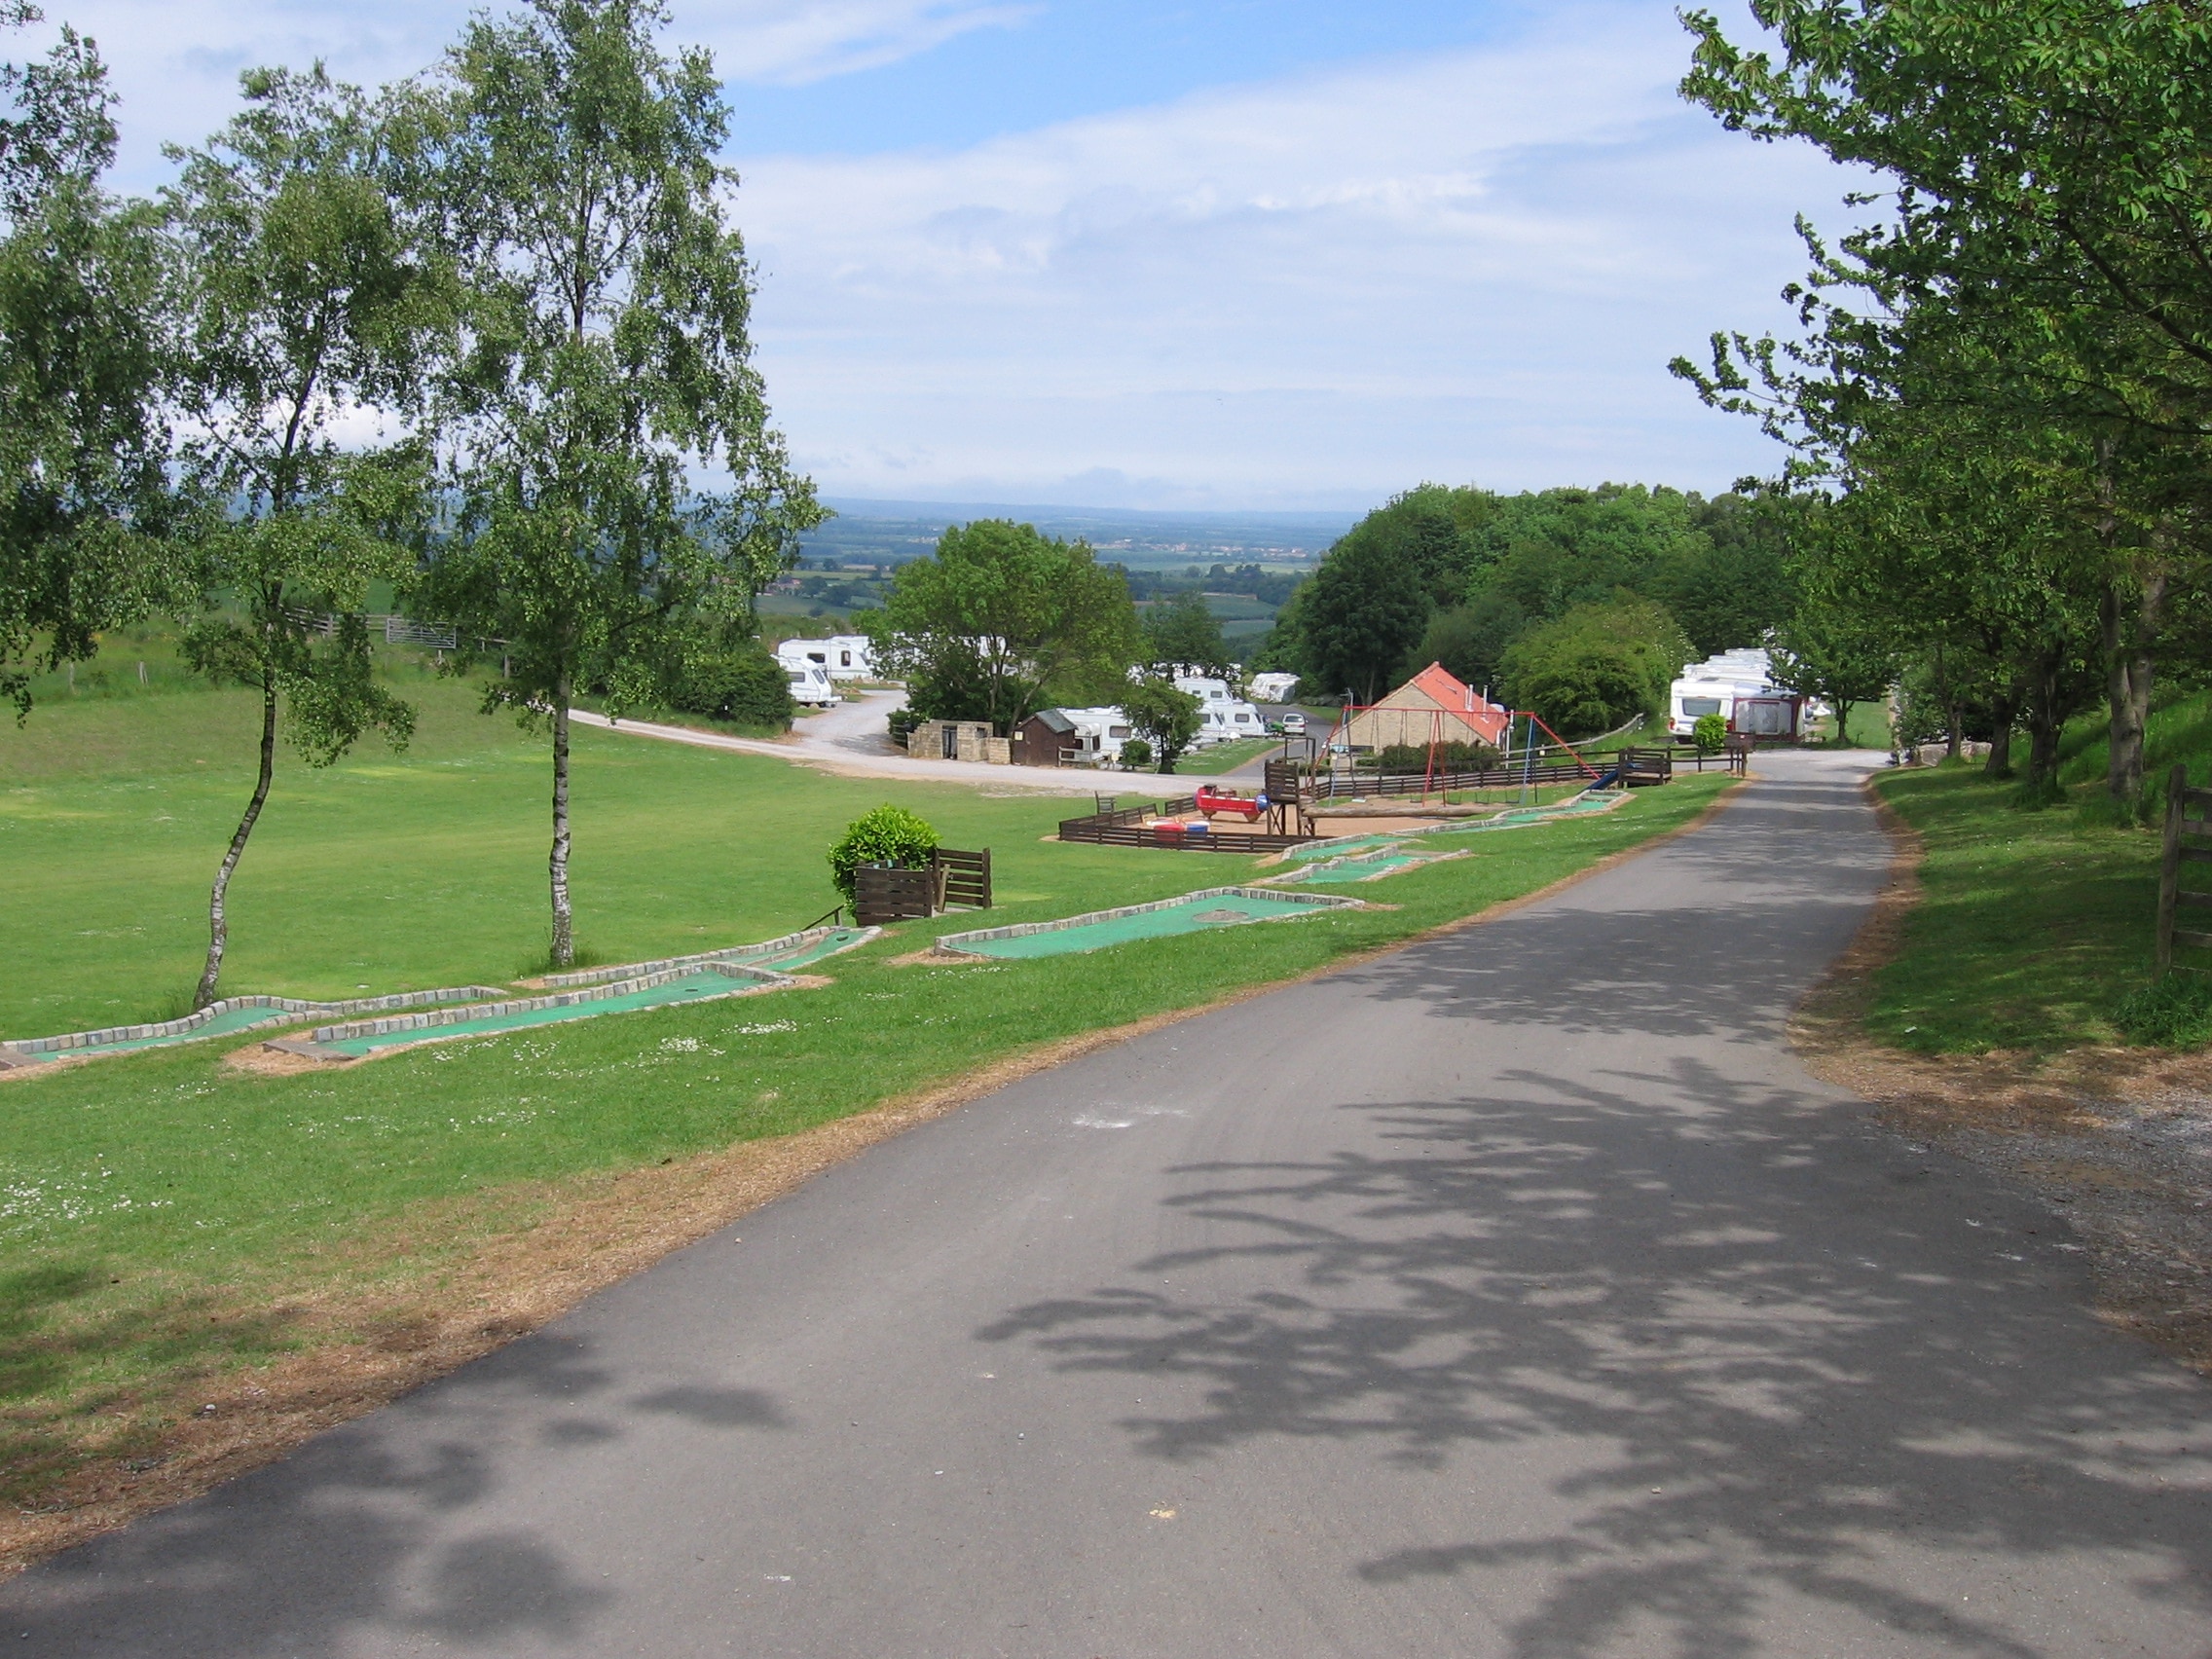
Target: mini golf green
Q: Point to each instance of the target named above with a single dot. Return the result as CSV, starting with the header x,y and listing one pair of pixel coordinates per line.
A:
x,y
225,1019
1194,912
697,985
1355,869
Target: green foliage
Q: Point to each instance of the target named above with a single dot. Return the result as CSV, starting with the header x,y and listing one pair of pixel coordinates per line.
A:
x,y
1835,653
2171,1012
1364,609
84,486
602,367
1710,732
1181,631
1469,641
1165,718
1136,754
888,835
1454,757
742,685
1596,666
1002,622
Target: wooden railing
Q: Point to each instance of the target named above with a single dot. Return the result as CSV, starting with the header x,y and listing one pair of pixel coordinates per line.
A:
x,y
2189,841
1341,785
1127,828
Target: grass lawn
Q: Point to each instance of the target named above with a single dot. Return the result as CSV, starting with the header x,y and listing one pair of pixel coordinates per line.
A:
x,y
2033,924
165,1217
1226,757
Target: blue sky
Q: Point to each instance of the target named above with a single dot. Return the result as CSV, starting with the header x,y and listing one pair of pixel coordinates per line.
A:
x,y
1236,255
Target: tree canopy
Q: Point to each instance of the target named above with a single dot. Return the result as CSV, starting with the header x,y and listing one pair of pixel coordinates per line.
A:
x,y
1002,622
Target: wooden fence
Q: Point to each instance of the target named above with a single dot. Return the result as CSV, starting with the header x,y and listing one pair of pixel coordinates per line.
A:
x,y
883,895
1125,827
1341,786
967,877
2189,840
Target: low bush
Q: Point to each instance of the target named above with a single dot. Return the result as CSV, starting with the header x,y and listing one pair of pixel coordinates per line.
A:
x,y
2175,1012
1710,734
1405,757
745,686
888,835
1136,754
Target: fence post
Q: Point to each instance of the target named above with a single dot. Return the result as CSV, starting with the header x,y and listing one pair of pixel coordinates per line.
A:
x,y
2170,866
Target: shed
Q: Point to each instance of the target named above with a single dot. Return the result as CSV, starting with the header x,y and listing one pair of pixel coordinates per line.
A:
x,y
958,740
1046,738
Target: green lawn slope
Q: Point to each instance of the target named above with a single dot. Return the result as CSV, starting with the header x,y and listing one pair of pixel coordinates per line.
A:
x,y
2035,925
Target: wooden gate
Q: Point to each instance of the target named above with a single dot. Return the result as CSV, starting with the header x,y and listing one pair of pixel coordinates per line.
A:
x,y
2189,841
967,878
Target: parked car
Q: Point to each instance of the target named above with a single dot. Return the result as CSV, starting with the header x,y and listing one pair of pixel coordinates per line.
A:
x,y
1294,724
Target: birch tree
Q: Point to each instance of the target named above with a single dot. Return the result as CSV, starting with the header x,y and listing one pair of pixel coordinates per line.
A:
x,y
605,359
304,298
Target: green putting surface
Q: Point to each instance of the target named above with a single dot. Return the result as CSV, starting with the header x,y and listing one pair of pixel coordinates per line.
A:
x,y
1100,929
828,944
702,986
1353,869
221,1025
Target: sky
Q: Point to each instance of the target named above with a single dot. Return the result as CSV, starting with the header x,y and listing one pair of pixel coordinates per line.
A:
x,y
1297,255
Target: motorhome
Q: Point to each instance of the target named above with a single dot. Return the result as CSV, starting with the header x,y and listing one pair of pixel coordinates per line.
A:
x,y
1738,687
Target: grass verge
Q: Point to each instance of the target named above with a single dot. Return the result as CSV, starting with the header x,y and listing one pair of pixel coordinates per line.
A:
x,y
292,1250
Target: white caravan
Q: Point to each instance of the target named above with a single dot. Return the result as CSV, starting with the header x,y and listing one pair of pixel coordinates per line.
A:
x,y
843,656
1098,735
1273,687
1223,716
1738,687
810,684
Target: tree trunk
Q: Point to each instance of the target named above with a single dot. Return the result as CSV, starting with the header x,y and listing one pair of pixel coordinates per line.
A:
x,y
218,922
2128,670
2045,722
2004,709
1947,695
1842,723
563,951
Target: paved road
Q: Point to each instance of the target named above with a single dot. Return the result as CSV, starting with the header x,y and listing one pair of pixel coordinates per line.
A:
x,y
847,739
1513,1295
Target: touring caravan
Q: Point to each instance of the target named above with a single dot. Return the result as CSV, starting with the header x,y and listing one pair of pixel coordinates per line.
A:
x,y
1223,716
843,656
1738,687
810,684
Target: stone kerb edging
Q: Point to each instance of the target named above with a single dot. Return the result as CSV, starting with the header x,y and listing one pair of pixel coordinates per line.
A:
x,y
763,980
736,953
951,943
287,1011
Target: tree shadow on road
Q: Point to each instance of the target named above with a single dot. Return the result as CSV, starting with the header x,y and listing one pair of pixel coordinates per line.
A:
x,y
1792,1360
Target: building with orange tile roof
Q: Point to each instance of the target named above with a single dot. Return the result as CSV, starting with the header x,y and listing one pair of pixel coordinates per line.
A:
x,y
1432,707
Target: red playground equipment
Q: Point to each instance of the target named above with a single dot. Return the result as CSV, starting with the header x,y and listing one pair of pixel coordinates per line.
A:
x,y
1212,801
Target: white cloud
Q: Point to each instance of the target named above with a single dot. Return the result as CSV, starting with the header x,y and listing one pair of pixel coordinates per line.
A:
x,y
176,66
1470,267
796,41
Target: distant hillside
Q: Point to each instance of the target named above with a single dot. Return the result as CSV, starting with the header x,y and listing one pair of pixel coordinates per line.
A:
x,y
894,531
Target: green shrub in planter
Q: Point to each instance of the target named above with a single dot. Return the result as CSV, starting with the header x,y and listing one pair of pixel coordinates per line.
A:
x,y
1710,734
890,834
